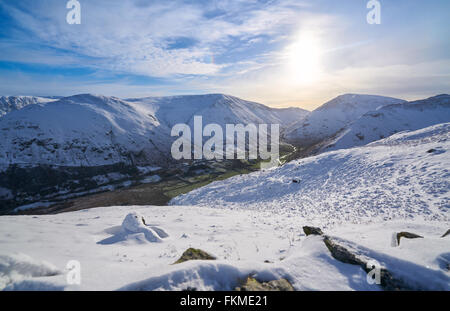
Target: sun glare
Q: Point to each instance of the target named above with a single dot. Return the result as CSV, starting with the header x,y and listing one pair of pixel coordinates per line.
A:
x,y
303,59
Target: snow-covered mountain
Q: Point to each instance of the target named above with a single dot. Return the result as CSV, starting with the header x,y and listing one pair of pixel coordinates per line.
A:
x,y
216,108
89,130
82,130
84,142
13,103
334,115
392,119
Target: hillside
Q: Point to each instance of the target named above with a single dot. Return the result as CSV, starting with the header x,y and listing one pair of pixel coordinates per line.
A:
x,y
215,108
334,115
87,142
402,176
392,119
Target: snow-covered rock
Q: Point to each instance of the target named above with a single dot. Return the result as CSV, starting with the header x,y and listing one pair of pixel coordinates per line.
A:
x,y
392,119
133,226
334,115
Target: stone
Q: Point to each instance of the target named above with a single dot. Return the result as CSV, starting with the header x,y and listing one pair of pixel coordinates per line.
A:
x,y
251,284
312,230
407,235
194,254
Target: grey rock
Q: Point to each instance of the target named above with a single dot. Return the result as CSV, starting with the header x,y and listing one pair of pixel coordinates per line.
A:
x,y
194,254
407,235
312,230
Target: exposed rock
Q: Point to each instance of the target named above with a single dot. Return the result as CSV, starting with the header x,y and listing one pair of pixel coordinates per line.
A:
x,y
445,234
251,284
194,254
341,253
296,180
388,281
312,230
407,235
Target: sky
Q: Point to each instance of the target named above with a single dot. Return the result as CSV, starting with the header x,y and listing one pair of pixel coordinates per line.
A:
x,y
277,52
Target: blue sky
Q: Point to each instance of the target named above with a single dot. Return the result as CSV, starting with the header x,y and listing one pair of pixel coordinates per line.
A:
x,y
277,52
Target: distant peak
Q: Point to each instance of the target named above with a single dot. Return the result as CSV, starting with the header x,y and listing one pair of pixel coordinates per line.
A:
x,y
355,99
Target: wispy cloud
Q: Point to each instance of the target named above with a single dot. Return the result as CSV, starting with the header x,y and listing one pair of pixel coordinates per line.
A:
x,y
243,47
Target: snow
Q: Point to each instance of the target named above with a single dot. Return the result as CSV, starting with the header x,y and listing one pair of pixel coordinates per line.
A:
x,y
253,223
147,169
13,103
391,178
151,179
94,130
214,108
81,130
33,205
392,119
241,240
16,268
135,223
334,115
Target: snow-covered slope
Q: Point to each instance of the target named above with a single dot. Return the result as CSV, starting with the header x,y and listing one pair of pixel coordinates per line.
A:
x,y
252,224
13,103
263,244
82,130
334,115
392,119
403,176
215,108
291,115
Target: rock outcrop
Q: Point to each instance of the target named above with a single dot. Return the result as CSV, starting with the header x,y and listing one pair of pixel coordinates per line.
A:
x,y
251,284
194,254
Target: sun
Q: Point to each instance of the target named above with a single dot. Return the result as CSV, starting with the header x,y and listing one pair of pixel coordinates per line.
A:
x,y
303,59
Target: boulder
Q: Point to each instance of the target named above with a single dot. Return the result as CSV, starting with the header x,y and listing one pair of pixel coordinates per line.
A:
x,y
312,230
341,253
407,235
388,281
194,254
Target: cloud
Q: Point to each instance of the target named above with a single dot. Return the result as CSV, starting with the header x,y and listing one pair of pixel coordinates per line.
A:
x,y
241,47
156,38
